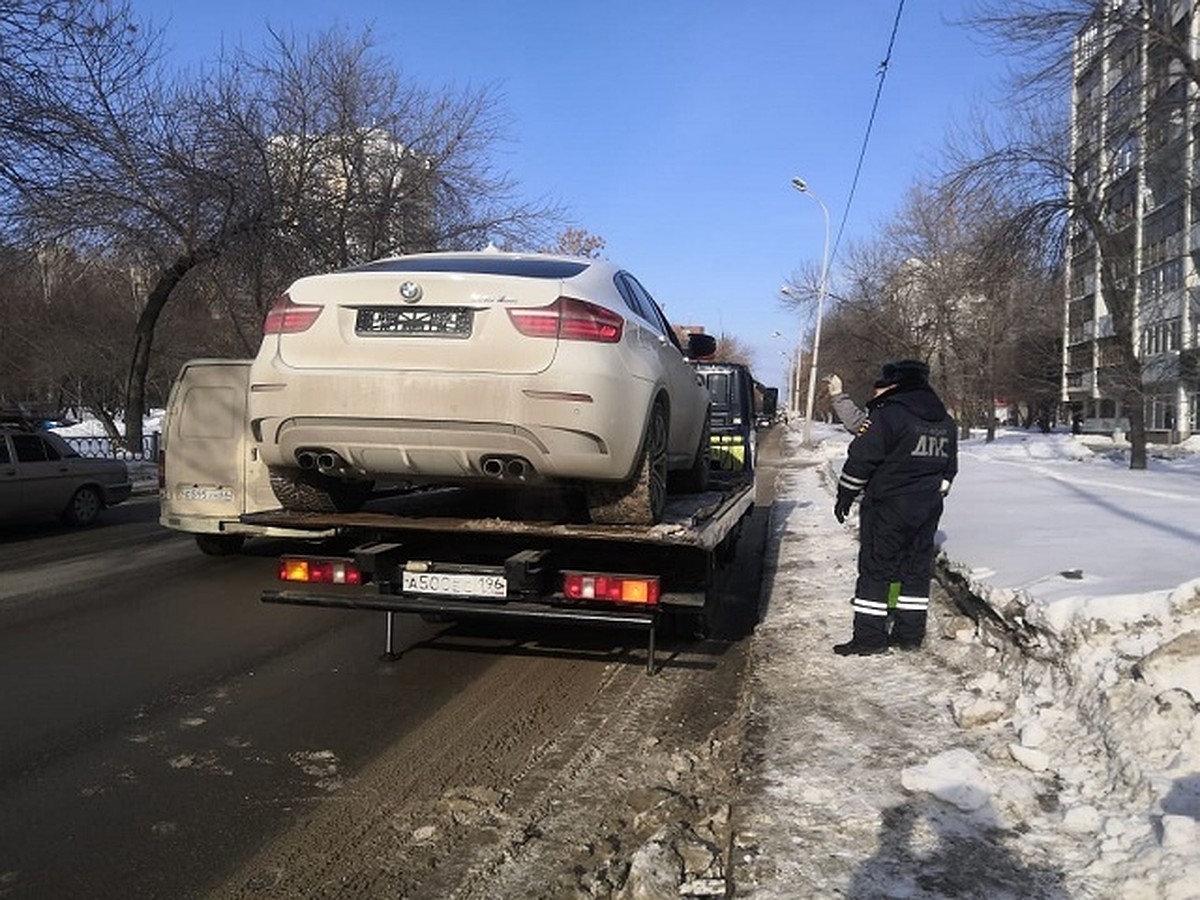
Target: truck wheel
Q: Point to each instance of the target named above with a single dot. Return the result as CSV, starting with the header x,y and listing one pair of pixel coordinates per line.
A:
x,y
303,491
220,544
84,507
642,499
695,479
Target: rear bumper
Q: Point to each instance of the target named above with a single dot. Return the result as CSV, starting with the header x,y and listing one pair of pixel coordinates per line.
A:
x,y
426,426
117,493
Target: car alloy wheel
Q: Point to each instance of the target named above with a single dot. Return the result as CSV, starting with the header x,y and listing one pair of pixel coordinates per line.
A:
x,y
84,507
643,499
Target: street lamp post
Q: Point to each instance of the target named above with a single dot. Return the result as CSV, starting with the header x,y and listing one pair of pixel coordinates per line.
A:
x,y
802,186
795,362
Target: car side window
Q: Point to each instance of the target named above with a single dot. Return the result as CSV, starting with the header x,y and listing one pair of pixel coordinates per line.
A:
x,y
625,289
31,448
655,314
645,305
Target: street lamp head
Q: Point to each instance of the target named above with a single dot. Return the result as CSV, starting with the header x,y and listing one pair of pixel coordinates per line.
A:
x,y
800,184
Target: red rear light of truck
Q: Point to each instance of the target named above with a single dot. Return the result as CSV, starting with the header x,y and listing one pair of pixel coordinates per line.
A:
x,y
571,320
286,317
613,588
314,570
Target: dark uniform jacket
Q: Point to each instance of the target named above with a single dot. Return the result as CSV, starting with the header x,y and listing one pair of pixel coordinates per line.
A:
x,y
907,444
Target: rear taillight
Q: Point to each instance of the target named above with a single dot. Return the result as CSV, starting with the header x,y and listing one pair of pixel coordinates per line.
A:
x,y
571,320
610,587
286,317
314,570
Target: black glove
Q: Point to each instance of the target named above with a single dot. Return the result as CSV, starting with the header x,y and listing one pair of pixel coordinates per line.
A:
x,y
841,508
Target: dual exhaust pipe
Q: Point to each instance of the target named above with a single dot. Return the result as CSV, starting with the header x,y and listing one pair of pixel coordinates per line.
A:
x,y
329,463
325,461
506,467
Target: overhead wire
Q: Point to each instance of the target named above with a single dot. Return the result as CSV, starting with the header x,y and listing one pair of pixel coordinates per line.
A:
x,y
884,66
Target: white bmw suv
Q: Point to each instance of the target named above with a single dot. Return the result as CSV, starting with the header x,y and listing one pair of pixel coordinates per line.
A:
x,y
479,368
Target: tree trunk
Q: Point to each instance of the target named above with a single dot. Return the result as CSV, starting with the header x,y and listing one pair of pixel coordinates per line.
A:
x,y
139,367
168,280
1135,407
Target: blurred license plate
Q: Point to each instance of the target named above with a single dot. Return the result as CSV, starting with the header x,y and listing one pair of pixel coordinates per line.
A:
x,y
456,584
451,321
206,494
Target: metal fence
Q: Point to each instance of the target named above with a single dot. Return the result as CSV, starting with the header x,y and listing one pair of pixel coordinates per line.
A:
x,y
105,447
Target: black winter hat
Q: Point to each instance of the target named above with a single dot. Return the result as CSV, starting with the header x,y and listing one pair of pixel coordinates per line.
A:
x,y
903,371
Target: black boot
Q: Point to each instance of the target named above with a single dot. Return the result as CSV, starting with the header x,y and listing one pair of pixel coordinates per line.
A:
x,y
854,647
870,637
909,630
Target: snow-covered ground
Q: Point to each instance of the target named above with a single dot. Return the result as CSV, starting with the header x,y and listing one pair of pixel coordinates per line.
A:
x,y
1068,767
1050,749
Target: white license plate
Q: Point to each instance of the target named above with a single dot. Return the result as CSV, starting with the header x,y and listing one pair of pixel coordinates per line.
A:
x,y
456,584
207,494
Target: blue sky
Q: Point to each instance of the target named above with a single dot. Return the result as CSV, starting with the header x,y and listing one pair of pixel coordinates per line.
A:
x,y
673,129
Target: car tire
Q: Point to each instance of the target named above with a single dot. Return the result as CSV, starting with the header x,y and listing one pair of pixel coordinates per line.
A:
x,y
84,507
643,499
695,479
303,491
220,544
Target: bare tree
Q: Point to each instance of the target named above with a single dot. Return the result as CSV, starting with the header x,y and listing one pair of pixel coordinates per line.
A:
x,y
1096,192
577,242
313,156
732,349
65,324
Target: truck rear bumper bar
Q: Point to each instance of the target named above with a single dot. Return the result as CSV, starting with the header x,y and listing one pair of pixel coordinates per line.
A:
x,y
466,609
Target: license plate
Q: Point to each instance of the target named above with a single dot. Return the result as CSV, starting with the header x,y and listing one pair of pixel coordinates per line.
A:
x,y
206,494
455,584
447,321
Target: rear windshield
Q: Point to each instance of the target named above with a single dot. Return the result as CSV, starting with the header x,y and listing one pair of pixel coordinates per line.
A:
x,y
521,268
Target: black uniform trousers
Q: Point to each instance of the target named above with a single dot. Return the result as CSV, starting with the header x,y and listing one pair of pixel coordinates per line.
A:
x,y
895,567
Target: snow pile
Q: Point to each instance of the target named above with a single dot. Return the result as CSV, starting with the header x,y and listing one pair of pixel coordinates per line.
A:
x,y
92,427
1096,569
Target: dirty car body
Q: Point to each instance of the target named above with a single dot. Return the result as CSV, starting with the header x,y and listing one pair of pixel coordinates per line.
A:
x,y
478,368
41,476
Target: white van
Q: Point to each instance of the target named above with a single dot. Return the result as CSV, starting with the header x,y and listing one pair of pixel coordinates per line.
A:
x,y
210,470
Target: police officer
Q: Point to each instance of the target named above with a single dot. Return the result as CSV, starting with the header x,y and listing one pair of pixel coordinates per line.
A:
x,y
902,461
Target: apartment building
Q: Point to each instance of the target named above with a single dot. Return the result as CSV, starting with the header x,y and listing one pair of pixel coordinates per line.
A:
x,y
1135,124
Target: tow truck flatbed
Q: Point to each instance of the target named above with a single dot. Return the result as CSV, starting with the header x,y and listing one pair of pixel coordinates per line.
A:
x,y
435,552
694,520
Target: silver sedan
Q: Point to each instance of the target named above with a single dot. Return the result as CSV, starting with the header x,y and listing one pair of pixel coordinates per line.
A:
x,y
41,475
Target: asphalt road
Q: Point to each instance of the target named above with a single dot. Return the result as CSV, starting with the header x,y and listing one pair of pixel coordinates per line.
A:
x,y
163,729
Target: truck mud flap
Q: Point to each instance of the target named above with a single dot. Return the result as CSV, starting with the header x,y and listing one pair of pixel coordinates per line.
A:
x,y
465,609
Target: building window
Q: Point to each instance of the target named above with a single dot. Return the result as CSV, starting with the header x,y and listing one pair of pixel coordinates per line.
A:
x,y
1161,337
1160,413
1162,279
1161,238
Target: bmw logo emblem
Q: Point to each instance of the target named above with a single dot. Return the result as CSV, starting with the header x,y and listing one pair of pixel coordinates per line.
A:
x,y
410,292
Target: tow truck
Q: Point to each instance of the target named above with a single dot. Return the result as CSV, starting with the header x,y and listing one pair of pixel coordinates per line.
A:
x,y
452,553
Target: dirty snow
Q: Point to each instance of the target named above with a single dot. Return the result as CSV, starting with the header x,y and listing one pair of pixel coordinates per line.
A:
x,y
1047,746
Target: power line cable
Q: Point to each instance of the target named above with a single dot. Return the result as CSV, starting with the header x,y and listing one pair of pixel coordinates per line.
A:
x,y
882,73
